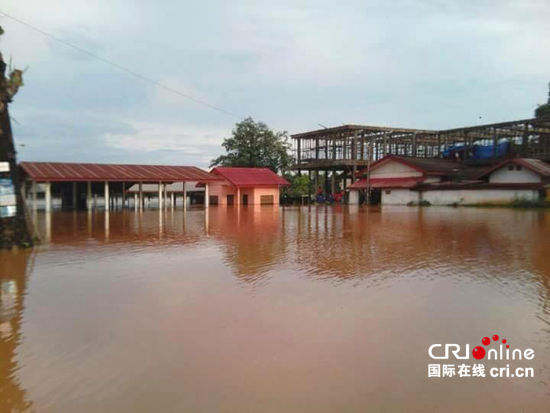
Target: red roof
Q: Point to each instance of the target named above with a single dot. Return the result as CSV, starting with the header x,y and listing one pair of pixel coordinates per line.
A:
x,y
385,183
63,172
535,165
428,166
250,176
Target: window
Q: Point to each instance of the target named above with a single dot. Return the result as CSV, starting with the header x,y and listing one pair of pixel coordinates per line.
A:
x,y
510,167
518,167
266,200
387,191
213,199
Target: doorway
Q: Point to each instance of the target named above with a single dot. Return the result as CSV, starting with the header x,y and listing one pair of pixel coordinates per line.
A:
x,y
230,199
245,199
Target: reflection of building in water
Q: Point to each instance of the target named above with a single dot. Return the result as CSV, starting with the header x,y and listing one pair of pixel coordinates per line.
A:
x,y
252,236
13,273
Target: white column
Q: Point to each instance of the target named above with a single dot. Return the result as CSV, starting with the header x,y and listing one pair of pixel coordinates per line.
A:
x,y
123,194
160,195
48,196
238,197
106,196
140,196
353,197
33,189
184,197
165,196
74,195
135,201
206,197
172,199
89,196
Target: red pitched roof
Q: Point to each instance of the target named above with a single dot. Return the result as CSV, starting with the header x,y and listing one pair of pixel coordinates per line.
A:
x,y
428,166
64,171
250,176
535,165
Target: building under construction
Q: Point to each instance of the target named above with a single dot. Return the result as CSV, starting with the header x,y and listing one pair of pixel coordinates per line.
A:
x,y
332,156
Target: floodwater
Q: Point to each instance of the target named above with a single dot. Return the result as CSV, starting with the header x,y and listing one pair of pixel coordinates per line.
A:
x,y
298,309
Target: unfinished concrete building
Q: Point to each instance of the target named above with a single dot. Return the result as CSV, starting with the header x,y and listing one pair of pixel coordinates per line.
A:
x,y
332,156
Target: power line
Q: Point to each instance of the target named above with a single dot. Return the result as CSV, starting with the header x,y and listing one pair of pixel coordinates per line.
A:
x,y
122,68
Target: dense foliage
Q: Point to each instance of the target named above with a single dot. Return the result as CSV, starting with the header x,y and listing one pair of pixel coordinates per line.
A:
x,y
300,185
253,144
543,111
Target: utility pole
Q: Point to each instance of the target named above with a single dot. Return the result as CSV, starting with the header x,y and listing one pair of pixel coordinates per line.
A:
x,y
13,229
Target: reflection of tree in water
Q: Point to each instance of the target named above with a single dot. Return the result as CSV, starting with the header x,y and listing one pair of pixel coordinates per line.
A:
x,y
13,283
252,238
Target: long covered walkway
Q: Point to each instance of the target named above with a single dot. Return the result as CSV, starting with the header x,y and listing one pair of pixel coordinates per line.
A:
x,y
90,185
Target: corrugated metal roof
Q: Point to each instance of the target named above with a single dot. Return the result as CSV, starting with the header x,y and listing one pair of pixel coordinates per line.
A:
x,y
250,176
429,166
64,171
539,167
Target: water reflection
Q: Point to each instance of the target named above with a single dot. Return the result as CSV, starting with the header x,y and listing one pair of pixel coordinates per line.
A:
x,y
13,285
319,308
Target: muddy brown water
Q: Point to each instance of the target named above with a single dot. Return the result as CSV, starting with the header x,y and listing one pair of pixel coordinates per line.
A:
x,y
298,309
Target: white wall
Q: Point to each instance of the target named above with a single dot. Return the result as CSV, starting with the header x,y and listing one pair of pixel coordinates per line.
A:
x,y
503,175
457,196
477,196
353,197
399,196
394,169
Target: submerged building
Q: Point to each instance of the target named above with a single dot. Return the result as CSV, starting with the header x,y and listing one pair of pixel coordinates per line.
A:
x,y
333,156
400,180
245,186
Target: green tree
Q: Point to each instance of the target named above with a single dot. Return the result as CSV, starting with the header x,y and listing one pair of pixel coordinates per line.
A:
x,y
253,144
543,111
300,185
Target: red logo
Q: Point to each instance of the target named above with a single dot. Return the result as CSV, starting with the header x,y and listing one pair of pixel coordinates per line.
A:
x,y
479,351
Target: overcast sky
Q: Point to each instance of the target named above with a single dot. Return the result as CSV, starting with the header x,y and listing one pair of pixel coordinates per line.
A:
x,y
292,64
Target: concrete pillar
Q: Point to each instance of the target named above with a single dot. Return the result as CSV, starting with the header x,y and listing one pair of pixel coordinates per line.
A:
x,y
48,196
136,204
123,194
74,196
33,192
238,197
165,196
89,195
172,199
353,197
106,196
141,196
160,195
184,197
206,196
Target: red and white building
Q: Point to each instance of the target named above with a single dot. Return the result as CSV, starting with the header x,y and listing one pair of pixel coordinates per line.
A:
x,y
399,180
245,186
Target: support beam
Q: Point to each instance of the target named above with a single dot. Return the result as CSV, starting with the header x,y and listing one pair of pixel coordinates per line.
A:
x,y
184,197
141,196
206,196
136,205
74,194
34,202
106,196
172,199
48,196
160,195
89,196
